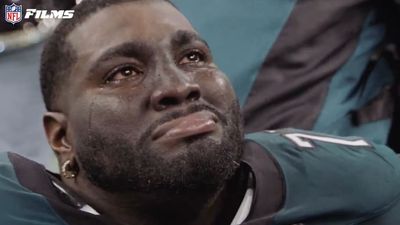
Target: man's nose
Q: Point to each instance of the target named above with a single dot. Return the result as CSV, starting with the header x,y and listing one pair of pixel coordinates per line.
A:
x,y
174,95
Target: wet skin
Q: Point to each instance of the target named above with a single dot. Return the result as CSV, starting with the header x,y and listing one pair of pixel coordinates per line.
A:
x,y
145,77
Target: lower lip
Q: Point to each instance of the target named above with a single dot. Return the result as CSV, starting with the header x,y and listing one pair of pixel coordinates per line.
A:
x,y
191,125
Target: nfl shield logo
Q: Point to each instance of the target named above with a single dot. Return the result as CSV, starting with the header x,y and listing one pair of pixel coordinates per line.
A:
x,y
13,13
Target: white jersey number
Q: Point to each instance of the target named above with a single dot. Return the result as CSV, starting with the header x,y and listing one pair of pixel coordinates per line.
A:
x,y
304,140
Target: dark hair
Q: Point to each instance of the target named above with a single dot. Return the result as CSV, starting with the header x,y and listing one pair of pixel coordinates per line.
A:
x,y
58,55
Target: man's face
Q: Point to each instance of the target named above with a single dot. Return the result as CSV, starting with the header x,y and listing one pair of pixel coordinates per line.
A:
x,y
147,108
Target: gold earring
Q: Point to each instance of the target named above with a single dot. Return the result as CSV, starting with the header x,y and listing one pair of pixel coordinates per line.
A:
x,y
67,170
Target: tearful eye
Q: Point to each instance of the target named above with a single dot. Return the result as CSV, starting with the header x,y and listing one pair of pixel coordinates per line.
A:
x,y
194,57
122,73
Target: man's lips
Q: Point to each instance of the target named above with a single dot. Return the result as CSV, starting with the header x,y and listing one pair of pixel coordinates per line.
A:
x,y
186,126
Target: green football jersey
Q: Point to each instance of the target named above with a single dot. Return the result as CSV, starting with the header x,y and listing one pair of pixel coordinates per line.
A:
x,y
332,180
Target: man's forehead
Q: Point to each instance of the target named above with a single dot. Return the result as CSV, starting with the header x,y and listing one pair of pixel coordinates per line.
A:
x,y
139,20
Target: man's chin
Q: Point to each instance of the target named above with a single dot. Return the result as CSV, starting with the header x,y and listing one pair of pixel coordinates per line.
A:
x,y
200,162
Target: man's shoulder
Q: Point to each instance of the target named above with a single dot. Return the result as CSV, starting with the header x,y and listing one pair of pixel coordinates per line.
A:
x,y
330,175
11,162
8,162
19,204
6,168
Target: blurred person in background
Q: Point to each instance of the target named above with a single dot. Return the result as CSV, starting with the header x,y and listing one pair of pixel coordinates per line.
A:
x,y
316,64
21,105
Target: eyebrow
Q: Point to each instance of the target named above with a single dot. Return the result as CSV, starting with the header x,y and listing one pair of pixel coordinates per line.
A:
x,y
142,51
137,50
182,37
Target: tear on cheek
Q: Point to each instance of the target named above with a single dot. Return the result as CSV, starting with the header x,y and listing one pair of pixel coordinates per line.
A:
x,y
222,83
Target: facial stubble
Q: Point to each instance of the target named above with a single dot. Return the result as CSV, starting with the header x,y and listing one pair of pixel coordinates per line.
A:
x,y
118,164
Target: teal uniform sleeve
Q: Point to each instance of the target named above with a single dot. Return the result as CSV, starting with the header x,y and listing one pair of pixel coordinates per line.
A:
x,y
20,206
333,180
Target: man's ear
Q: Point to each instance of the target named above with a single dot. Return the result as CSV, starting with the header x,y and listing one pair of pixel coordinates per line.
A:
x,y
55,125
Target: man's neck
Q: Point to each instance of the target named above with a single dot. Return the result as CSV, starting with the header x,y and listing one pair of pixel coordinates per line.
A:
x,y
158,209
191,208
